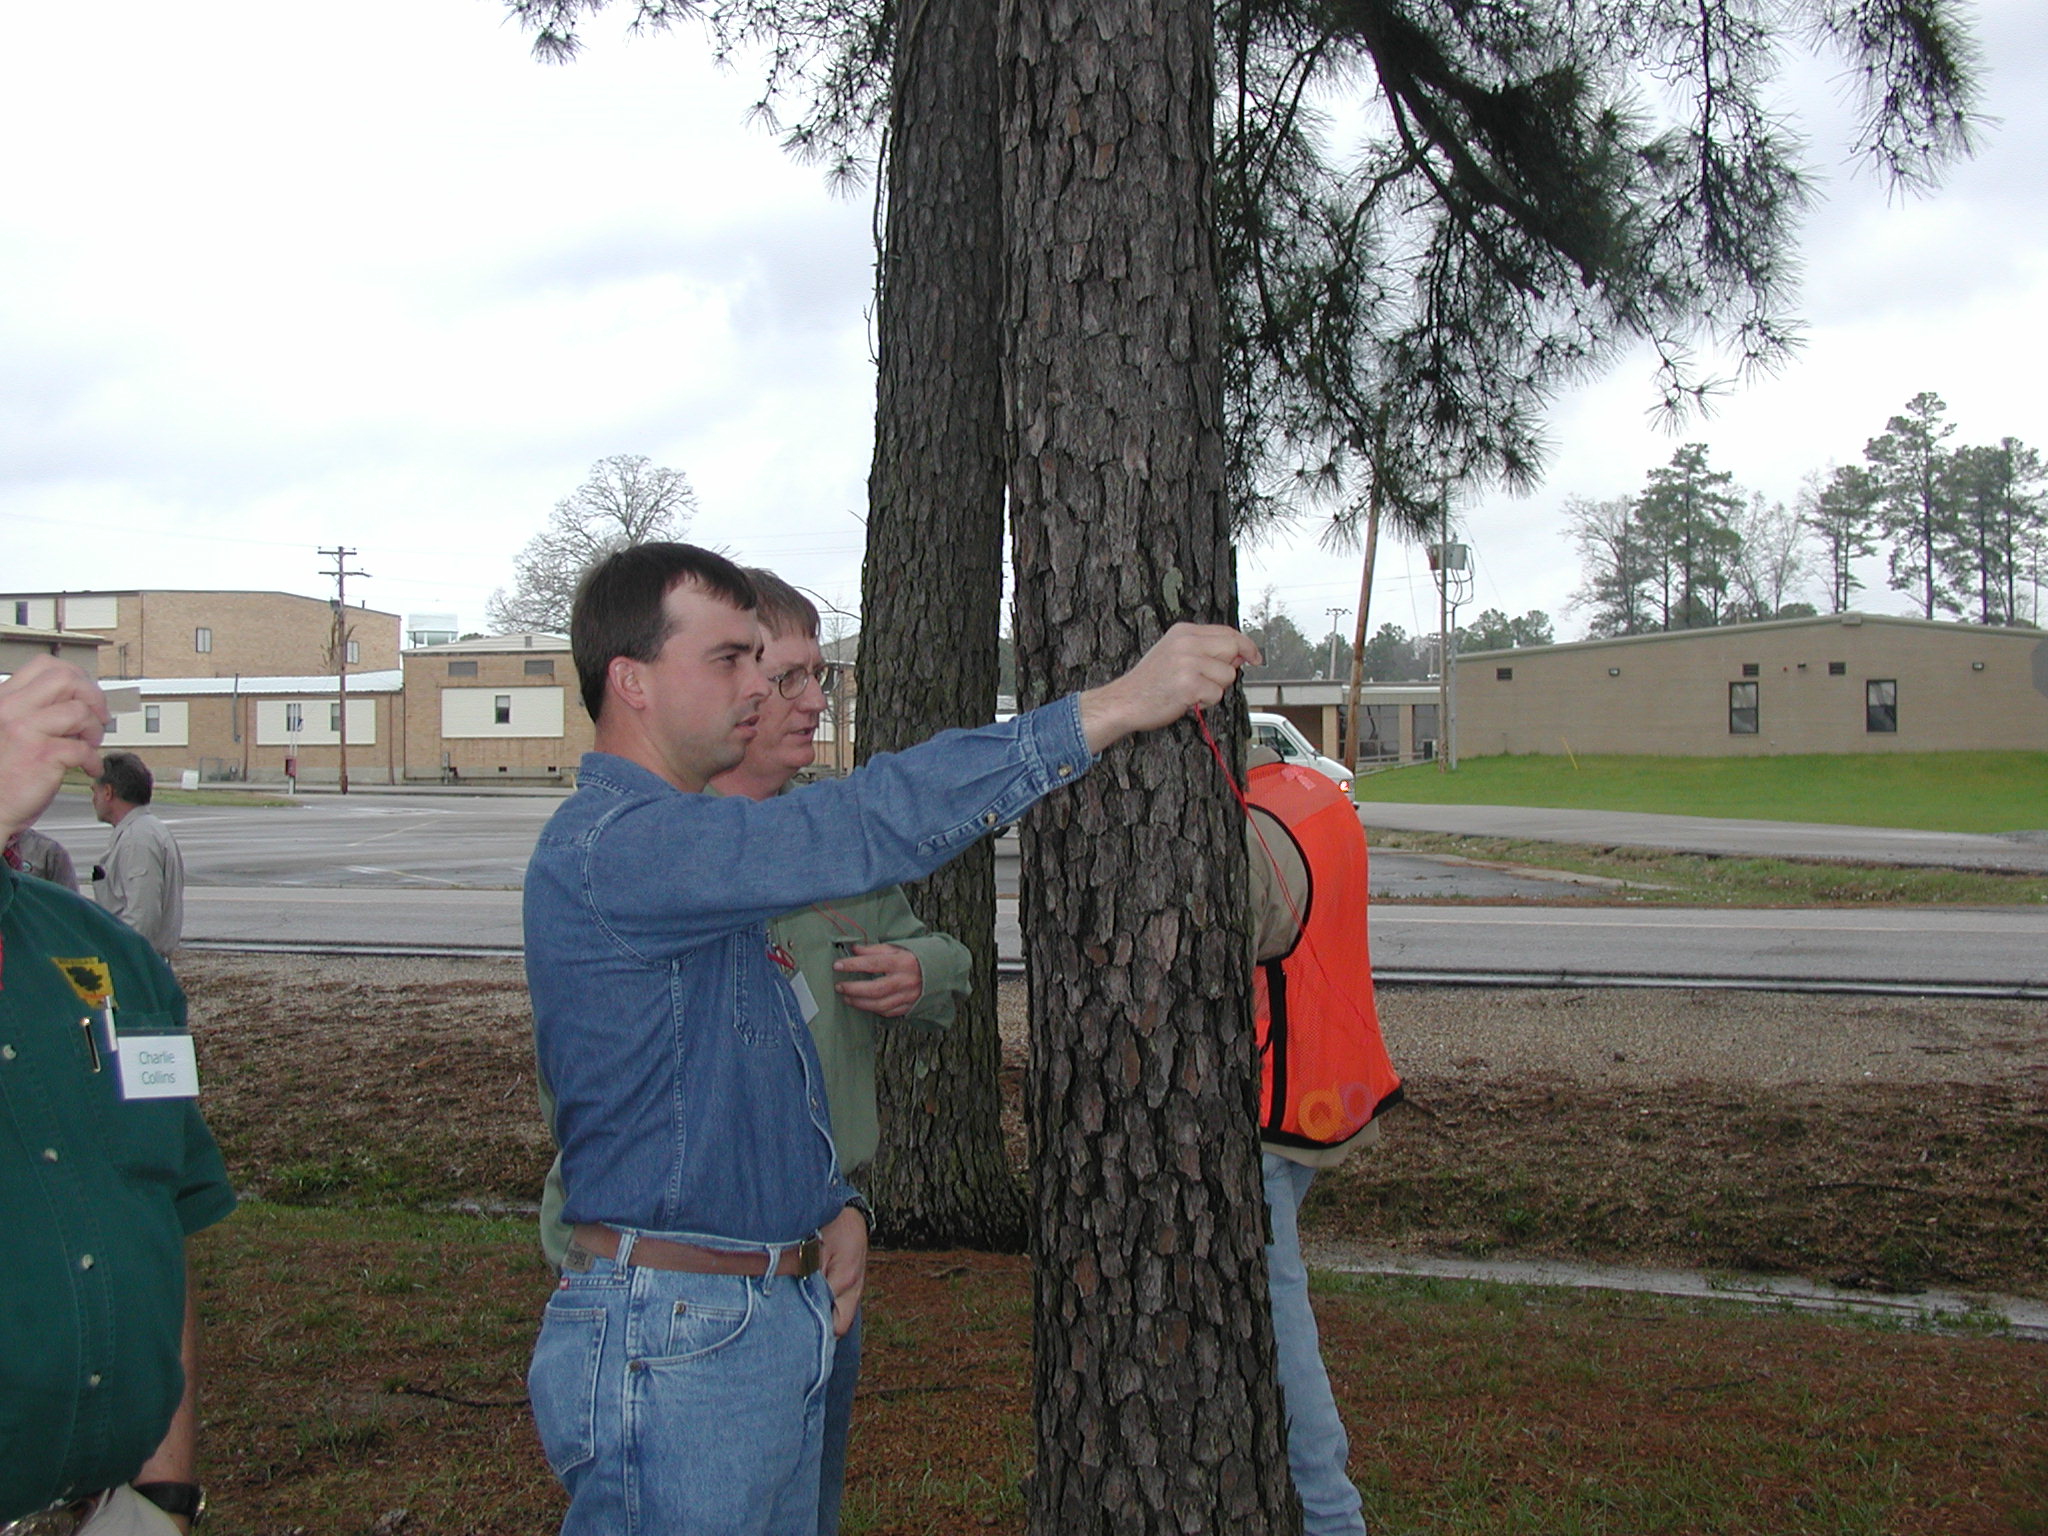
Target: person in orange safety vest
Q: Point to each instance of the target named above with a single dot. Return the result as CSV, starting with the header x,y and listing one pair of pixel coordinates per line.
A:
x,y
1325,1076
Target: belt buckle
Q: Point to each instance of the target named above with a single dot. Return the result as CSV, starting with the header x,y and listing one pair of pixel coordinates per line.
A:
x,y
810,1256
57,1520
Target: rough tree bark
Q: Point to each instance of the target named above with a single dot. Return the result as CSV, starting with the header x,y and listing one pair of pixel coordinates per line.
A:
x,y
1155,1405
931,588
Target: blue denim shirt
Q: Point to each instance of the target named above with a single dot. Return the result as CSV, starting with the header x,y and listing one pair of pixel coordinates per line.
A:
x,y
688,1098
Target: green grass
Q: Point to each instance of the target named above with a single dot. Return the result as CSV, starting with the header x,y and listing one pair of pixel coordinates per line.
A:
x,y
1655,877
332,1400
1931,791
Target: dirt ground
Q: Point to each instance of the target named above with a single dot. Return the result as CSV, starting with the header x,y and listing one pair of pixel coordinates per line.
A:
x,y
1892,1143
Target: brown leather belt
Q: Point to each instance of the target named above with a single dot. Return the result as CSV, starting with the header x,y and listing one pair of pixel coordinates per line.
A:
x,y
659,1253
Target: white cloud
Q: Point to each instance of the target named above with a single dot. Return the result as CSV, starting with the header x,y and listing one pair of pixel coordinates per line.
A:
x,y
273,276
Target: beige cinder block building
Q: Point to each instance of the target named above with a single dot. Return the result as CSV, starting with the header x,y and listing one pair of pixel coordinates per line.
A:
x,y
18,642
496,710
266,730
169,634
1842,683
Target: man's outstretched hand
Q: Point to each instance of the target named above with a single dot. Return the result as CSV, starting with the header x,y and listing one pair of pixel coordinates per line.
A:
x,y
1191,667
51,717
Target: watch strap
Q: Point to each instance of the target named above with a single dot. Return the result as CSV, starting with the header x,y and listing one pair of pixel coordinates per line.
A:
x,y
184,1499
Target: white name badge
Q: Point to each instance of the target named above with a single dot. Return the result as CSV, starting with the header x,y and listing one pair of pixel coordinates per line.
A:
x,y
806,999
158,1067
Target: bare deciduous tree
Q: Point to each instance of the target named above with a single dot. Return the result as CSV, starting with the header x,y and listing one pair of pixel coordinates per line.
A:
x,y
627,500
1772,563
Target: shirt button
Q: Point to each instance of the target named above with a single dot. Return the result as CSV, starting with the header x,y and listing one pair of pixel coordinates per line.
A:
x,y
988,818
93,1380
85,1261
1066,770
49,1154
6,1052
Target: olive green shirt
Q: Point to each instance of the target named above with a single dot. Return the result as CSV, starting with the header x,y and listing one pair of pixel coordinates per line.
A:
x,y
844,1035
97,1195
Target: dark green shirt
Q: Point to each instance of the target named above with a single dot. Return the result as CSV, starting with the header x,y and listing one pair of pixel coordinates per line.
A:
x,y
97,1195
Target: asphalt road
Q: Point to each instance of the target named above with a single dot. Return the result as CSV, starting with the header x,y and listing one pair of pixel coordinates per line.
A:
x,y
444,870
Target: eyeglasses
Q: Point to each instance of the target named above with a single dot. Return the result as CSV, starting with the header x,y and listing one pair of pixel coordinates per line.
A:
x,y
791,683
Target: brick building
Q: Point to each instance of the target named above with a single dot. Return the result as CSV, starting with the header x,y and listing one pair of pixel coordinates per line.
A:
x,y
495,710
266,730
1847,682
18,642
163,633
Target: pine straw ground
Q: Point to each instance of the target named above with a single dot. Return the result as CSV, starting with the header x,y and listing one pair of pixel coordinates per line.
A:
x,y
366,1345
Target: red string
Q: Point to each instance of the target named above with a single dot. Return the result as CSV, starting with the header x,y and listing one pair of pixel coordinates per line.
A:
x,y
841,921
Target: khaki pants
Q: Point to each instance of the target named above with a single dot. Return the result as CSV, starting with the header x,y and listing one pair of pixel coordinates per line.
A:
x,y
128,1513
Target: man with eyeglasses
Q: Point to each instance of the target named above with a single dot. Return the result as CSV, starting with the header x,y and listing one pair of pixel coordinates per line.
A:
x,y
858,960
718,1251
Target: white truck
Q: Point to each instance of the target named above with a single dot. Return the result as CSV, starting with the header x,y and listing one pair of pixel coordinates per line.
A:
x,y
1280,733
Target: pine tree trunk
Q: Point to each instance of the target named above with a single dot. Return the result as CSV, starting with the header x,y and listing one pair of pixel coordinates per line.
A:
x,y
931,588
1154,1399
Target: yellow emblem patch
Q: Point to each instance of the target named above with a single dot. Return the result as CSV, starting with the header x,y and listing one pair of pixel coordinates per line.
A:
x,y
90,979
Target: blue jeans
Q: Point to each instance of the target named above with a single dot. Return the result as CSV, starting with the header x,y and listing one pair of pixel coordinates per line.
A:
x,y
838,1424
1317,1447
684,1405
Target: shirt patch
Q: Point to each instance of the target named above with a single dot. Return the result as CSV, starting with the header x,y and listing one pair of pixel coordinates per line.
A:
x,y
90,979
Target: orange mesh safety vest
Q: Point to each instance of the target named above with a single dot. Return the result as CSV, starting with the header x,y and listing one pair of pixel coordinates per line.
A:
x,y
1326,1070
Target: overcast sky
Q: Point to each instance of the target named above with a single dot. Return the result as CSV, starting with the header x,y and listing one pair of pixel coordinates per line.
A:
x,y
276,276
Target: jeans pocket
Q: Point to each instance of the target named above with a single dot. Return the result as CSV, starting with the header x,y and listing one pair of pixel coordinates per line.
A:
x,y
696,1329
562,1382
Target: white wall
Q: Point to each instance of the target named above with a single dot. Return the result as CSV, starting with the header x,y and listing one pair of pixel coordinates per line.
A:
x,y
130,731
471,713
316,723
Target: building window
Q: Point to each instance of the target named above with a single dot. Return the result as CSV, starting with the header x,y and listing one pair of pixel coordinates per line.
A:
x,y
1750,669
1742,709
294,718
540,666
202,639
1881,706
502,709
462,669
334,718
1838,669
355,652
1503,674
21,614
152,719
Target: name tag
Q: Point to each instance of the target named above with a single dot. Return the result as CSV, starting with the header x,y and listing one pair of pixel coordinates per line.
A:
x,y
806,1000
158,1067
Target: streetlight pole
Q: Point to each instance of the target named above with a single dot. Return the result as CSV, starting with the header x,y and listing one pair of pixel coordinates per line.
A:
x,y
1452,566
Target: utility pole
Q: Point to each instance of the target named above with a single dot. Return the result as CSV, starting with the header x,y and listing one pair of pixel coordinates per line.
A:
x,y
1335,615
341,574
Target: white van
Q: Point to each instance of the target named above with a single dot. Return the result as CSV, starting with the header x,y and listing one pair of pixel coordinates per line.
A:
x,y
1279,733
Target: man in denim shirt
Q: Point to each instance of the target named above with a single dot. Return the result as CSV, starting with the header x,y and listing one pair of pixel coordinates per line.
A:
x,y
678,1383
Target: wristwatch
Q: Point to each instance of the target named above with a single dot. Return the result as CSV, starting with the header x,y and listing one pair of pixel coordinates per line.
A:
x,y
187,1500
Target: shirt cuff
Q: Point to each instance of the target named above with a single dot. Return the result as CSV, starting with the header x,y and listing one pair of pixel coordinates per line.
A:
x,y
1057,741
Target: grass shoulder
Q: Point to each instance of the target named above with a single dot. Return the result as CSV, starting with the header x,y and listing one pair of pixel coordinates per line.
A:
x,y
1659,877
1980,792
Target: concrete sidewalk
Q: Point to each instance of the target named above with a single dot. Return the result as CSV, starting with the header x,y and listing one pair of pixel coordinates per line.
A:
x,y
2014,1315
2024,852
